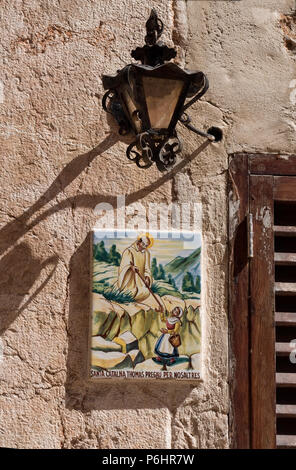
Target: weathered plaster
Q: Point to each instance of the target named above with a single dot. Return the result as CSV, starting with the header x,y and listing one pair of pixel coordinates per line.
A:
x,y
61,156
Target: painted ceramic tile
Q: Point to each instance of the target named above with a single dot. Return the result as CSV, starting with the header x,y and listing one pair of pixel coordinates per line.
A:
x,y
146,301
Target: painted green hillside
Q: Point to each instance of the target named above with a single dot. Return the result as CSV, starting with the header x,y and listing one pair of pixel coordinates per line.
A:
x,y
183,264
180,277
181,267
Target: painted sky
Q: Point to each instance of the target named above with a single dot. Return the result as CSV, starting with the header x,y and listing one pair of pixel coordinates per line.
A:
x,y
165,247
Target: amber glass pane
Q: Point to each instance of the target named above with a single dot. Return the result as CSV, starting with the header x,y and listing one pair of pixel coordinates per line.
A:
x,y
162,96
132,107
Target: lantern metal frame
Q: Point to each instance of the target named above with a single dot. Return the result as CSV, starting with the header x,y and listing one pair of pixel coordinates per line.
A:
x,y
151,145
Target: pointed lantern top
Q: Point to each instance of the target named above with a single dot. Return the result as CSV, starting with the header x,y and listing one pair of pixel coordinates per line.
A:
x,y
153,53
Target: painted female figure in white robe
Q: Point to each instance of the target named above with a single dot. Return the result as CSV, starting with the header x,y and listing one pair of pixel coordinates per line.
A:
x,y
165,351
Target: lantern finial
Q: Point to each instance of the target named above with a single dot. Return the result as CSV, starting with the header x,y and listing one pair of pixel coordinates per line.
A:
x,y
153,53
154,28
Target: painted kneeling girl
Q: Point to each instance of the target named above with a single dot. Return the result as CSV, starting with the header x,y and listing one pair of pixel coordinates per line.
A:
x,y
165,350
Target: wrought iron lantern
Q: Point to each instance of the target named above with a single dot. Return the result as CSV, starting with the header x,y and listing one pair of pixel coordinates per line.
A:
x,y
150,98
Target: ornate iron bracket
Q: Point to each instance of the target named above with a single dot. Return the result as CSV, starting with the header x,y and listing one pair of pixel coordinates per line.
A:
x,y
145,151
132,98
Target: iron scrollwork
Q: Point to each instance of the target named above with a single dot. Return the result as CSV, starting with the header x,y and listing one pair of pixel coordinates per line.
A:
x,y
112,105
169,150
141,151
146,150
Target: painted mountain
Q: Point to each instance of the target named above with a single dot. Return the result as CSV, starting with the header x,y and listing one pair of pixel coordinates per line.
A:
x,y
180,266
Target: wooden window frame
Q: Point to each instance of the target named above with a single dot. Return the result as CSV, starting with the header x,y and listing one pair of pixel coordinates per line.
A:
x,y
247,173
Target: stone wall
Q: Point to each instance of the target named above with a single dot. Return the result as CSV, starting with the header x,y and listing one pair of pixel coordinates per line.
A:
x,y
61,156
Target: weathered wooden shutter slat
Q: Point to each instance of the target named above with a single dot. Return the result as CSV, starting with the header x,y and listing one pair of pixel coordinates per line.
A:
x,y
284,230
286,379
288,411
286,442
285,259
285,188
285,288
285,319
271,164
262,315
239,313
282,349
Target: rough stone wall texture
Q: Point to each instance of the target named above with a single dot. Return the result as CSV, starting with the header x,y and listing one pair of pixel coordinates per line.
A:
x,y
61,156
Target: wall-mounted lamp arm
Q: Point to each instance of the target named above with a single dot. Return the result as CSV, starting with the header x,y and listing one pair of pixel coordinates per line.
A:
x,y
214,134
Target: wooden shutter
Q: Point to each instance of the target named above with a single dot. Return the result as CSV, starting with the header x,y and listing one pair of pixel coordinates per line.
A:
x,y
285,307
268,280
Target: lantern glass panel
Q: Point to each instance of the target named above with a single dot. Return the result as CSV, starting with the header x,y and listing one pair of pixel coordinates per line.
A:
x,y
132,107
162,95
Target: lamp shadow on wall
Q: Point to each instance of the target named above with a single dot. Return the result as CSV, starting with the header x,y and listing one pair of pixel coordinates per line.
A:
x,y
27,269
19,226
20,269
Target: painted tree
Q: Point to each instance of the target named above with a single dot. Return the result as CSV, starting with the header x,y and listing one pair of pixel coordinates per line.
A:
x,y
188,283
114,256
161,272
100,252
154,268
197,284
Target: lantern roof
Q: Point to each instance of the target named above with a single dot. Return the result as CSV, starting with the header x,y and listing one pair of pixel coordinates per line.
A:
x,y
169,70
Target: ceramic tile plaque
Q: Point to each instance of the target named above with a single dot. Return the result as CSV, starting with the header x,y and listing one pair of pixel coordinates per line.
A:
x,y
146,305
